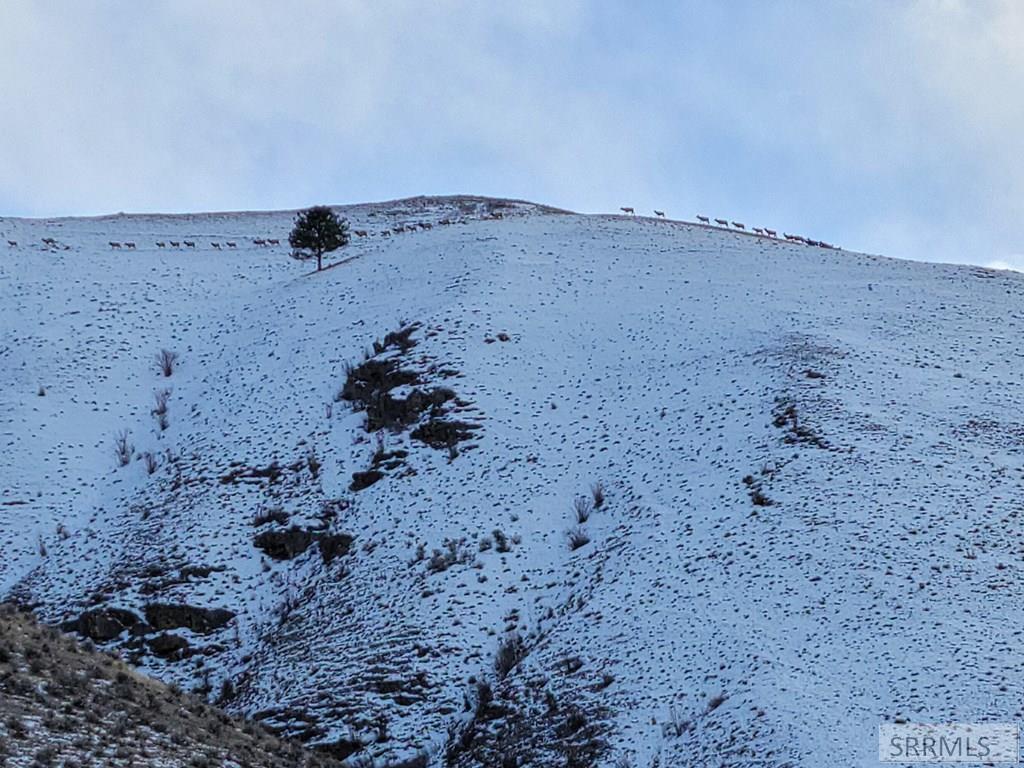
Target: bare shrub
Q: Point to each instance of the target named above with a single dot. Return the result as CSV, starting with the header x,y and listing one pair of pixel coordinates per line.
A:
x,y
166,360
676,725
314,463
150,462
577,538
582,507
500,541
160,398
511,650
454,552
597,494
123,449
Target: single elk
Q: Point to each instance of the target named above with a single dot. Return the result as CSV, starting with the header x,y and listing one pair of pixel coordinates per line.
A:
x,y
360,233
130,246
114,245
630,211
722,222
12,243
758,230
703,219
770,232
660,214
175,243
161,245
189,243
231,244
216,245
259,241
273,242
49,241
738,225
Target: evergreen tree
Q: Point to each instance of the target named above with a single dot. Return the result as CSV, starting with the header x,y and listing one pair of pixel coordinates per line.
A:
x,y
317,231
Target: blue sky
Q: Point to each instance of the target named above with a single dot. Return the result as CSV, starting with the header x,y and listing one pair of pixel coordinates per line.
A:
x,y
891,127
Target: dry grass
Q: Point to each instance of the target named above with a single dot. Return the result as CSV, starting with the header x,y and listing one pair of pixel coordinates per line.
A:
x,y
64,705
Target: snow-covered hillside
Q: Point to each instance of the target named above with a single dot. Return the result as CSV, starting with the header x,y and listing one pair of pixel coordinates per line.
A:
x,y
811,464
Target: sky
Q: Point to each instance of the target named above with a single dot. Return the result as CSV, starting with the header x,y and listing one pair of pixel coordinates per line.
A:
x,y
892,127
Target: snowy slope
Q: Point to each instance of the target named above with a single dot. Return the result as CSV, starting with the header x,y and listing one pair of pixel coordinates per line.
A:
x,y
811,458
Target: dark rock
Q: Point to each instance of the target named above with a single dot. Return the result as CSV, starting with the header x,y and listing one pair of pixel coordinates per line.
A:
x,y
340,749
163,616
334,545
168,646
442,434
389,459
387,412
271,473
361,480
284,545
102,624
371,378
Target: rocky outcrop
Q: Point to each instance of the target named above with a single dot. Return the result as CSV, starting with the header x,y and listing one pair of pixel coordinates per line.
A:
x,y
334,545
361,480
162,616
292,542
103,624
286,544
168,646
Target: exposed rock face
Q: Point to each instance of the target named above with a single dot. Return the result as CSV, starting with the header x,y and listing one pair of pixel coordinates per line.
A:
x,y
168,646
103,624
290,543
334,545
361,480
286,544
163,616
389,412
442,434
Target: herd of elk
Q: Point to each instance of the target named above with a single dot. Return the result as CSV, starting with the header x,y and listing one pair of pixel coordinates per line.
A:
x,y
765,232
424,225
164,243
258,241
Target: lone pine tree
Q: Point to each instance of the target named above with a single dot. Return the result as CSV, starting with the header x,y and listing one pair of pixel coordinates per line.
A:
x,y
317,231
